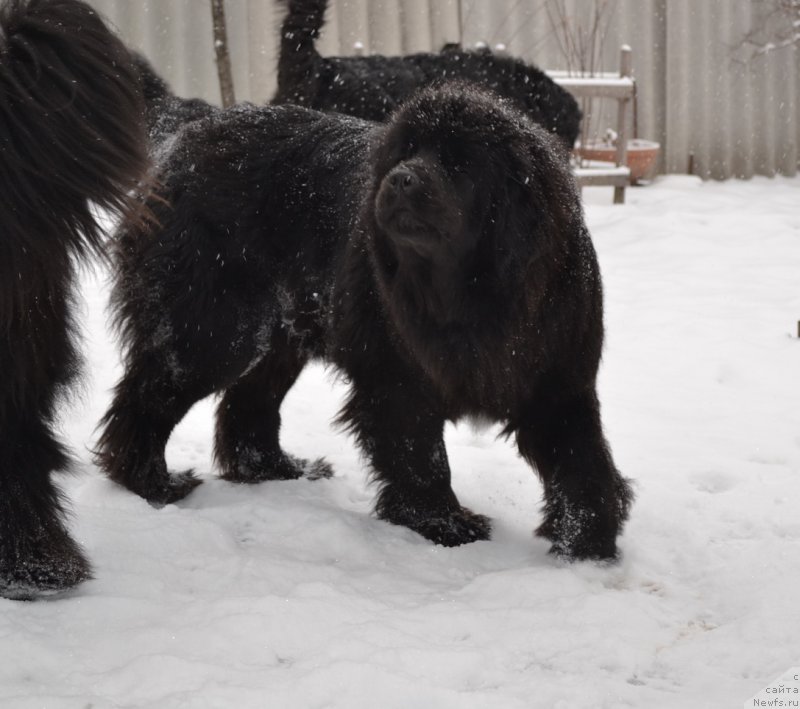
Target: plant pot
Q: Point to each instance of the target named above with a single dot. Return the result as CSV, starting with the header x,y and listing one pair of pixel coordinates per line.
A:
x,y
641,157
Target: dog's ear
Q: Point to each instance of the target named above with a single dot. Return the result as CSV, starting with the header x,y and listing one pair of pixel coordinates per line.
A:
x,y
508,228
529,208
544,173
384,153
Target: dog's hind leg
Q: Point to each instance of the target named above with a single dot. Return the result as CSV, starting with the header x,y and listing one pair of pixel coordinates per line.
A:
x,y
39,361
586,499
247,444
37,555
148,403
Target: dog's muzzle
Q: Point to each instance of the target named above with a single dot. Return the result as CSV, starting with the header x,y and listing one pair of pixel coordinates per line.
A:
x,y
404,182
400,204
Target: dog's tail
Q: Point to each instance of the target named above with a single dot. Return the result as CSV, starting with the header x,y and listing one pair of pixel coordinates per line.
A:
x,y
299,59
72,128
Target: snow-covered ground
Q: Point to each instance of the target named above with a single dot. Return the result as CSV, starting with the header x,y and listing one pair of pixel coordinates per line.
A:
x,y
291,594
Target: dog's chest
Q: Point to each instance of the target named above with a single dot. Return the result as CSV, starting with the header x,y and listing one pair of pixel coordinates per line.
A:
x,y
473,372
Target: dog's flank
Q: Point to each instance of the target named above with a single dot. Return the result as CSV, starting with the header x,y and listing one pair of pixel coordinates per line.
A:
x,y
439,261
71,134
372,87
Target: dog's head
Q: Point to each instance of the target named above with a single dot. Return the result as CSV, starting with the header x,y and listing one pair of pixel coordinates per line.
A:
x,y
423,202
462,179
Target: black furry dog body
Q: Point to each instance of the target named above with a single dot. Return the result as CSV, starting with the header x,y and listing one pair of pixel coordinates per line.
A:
x,y
373,87
71,132
440,262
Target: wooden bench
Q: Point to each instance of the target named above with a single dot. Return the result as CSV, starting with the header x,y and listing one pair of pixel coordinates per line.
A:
x,y
619,87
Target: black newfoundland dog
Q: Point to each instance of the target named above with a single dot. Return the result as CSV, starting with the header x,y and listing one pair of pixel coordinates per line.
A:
x,y
373,87
440,261
71,133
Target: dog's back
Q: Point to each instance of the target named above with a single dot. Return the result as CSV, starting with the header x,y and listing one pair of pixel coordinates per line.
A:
x,y
248,197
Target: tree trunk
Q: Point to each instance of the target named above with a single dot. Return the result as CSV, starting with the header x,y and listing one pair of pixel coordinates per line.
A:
x,y
222,54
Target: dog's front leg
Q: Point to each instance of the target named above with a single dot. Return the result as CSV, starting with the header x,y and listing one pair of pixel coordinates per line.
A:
x,y
402,436
586,499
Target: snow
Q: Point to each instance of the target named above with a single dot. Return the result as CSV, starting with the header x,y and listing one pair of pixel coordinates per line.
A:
x,y
291,594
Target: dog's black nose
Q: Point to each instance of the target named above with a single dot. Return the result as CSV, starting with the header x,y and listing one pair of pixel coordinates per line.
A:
x,y
403,179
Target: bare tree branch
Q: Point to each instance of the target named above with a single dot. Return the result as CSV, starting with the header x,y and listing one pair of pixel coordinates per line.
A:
x,y
776,29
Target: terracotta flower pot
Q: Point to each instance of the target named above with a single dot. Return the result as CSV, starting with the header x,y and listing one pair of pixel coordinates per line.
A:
x,y
641,157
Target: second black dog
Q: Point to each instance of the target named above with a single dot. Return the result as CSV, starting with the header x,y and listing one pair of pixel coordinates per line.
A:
x,y
373,87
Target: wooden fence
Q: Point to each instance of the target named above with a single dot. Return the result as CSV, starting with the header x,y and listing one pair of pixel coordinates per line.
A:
x,y
701,93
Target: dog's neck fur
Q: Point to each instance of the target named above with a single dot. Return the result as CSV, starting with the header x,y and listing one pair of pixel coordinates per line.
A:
x,y
429,291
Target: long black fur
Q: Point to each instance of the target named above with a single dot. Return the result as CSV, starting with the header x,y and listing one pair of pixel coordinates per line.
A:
x,y
373,87
441,262
71,133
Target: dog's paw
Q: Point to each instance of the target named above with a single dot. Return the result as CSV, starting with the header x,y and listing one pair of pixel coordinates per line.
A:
x,y
450,528
46,564
173,488
593,550
318,469
461,527
260,468
580,535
